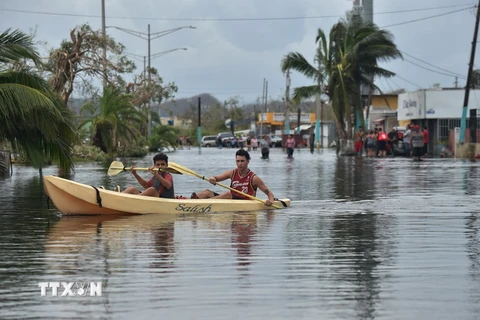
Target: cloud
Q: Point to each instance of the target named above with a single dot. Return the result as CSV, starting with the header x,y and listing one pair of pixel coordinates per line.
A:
x,y
228,58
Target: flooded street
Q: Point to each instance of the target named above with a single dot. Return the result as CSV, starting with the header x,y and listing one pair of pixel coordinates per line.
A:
x,y
363,239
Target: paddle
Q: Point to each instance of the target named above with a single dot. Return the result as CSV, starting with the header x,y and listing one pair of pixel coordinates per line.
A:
x,y
116,167
188,171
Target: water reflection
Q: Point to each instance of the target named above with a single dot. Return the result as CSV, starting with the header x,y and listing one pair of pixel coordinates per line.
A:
x,y
244,229
473,253
319,259
163,242
360,243
355,178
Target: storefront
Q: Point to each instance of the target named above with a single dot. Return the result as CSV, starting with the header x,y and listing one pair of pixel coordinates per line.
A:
x,y
438,109
275,121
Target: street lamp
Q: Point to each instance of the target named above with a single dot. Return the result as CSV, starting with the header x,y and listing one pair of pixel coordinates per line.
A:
x,y
154,56
149,37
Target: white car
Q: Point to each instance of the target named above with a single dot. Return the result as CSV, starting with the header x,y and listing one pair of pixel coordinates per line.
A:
x,y
208,141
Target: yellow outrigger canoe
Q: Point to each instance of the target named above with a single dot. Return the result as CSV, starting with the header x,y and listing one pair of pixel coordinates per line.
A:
x,y
73,198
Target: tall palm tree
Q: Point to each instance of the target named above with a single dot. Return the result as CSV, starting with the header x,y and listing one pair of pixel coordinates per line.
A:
x,y
32,118
111,117
345,61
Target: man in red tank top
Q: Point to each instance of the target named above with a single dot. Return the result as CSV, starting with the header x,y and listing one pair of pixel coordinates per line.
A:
x,y
242,179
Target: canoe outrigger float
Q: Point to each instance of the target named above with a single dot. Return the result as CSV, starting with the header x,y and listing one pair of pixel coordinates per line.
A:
x,y
73,198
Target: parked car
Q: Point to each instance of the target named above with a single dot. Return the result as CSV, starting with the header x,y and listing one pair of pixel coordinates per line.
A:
x,y
209,141
275,141
227,137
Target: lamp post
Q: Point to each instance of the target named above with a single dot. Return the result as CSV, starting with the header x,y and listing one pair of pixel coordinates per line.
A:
x,y
104,53
149,37
153,56
199,129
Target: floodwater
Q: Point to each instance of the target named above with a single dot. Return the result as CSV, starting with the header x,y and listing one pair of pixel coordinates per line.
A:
x,y
363,239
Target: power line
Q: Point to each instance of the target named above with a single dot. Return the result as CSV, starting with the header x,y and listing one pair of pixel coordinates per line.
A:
x,y
396,85
233,19
416,85
388,84
431,70
426,18
427,63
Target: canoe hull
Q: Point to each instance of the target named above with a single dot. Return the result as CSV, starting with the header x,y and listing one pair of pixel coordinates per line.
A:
x,y
73,198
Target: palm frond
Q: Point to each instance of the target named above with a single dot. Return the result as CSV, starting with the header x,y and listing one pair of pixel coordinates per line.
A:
x,y
296,61
304,93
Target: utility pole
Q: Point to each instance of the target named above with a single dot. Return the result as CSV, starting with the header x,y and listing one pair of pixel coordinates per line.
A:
x,y
318,119
149,115
104,54
144,69
149,37
456,82
473,112
263,103
199,130
266,98
149,56
287,104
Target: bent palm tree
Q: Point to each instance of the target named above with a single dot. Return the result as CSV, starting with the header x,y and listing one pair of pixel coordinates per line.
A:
x,y
112,117
32,118
346,61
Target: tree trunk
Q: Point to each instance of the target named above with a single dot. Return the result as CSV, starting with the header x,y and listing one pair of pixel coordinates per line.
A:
x,y
345,147
5,163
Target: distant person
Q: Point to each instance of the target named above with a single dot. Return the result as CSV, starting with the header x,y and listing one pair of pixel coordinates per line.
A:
x,y
290,144
312,142
254,143
249,143
219,142
425,141
370,143
392,139
242,179
382,143
265,146
407,135
416,141
160,185
358,144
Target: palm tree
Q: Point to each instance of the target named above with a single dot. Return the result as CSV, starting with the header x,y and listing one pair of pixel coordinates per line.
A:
x,y
112,117
32,118
163,136
345,62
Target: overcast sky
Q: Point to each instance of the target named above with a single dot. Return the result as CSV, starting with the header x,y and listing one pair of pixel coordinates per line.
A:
x,y
231,58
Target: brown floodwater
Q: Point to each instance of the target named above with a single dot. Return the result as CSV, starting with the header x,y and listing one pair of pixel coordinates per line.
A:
x,y
363,239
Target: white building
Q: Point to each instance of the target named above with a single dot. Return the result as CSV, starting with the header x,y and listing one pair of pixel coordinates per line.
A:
x,y
439,109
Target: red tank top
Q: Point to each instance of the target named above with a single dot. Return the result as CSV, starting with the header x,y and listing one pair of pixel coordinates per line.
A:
x,y
244,184
382,136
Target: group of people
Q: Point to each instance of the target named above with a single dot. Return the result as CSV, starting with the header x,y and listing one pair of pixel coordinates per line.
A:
x,y
184,141
378,142
239,142
243,180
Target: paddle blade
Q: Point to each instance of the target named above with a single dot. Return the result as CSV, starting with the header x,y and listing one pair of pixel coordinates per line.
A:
x,y
170,170
115,168
182,169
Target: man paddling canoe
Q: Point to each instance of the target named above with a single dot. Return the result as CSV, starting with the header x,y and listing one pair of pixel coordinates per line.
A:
x,y
243,180
160,185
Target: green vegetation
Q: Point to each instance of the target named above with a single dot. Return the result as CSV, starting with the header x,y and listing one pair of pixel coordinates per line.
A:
x,y
345,61
32,117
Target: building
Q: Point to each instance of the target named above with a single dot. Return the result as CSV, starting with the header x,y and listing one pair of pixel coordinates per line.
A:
x,y
364,9
383,111
176,122
438,109
274,122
